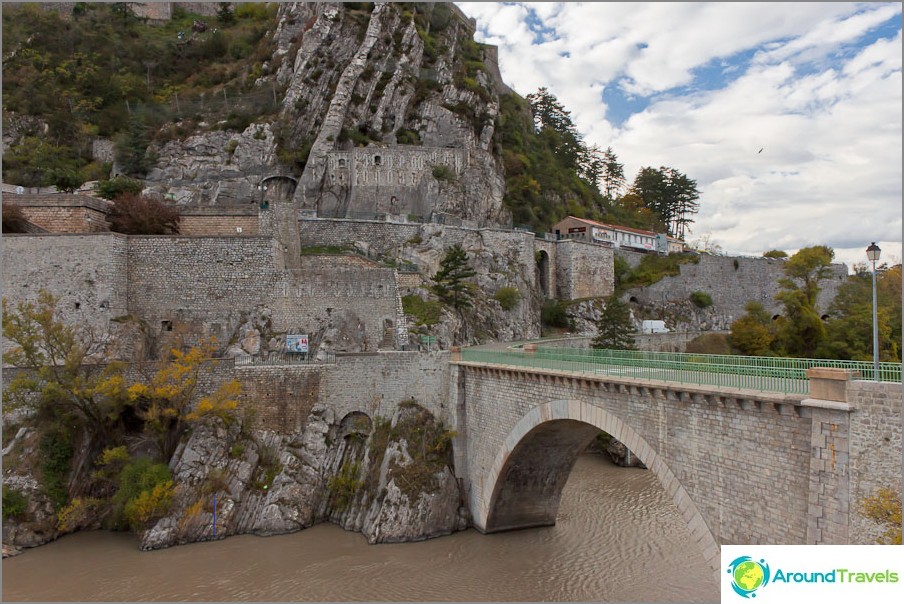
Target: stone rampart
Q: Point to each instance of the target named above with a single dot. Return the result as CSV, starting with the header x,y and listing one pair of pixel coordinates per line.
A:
x,y
212,284
732,283
64,213
214,221
88,273
583,270
875,449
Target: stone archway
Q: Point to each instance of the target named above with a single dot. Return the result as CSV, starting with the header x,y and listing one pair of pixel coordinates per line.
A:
x,y
525,482
543,273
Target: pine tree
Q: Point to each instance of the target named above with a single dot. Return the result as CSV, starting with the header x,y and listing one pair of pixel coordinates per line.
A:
x,y
614,329
613,176
450,283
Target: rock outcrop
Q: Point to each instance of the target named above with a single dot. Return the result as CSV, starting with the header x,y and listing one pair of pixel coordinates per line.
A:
x,y
367,476
390,109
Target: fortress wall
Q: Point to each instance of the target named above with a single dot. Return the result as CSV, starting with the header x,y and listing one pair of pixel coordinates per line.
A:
x,y
64,213
342,292
376,383
583,270
88,273
875,449
208,285
732,282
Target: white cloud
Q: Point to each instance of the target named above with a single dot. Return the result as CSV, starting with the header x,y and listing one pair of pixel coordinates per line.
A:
x,y
825,111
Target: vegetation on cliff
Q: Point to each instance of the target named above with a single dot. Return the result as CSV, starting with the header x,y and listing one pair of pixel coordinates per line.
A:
x,y
87,411
63,71
844,332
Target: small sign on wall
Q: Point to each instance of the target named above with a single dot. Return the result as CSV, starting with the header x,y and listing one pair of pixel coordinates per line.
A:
x,y
297,343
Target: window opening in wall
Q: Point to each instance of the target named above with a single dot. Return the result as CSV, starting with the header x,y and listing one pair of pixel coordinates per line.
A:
x,y
78,305
341,163
166,325
377,160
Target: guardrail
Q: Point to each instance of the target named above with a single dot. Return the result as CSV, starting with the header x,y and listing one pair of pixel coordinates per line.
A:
x,y
770,374
283,358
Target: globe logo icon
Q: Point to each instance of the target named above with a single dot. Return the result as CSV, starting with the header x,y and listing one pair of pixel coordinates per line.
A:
x,y
748,575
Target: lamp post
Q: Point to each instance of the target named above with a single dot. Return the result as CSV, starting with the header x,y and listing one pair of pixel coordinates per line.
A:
x,y
872,252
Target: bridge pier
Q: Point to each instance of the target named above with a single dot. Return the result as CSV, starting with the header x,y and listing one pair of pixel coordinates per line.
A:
x,y
829,505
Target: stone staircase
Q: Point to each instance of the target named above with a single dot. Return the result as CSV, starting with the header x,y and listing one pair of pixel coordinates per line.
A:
x,y
401,320
396,337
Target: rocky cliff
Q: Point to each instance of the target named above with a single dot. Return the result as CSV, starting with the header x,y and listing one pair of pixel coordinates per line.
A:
x,y
388,478
386,108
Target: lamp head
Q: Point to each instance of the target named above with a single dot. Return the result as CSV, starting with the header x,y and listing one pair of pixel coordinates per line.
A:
x,y
873,251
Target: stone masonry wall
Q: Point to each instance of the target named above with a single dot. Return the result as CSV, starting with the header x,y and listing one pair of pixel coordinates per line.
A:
x,y
88,273
211,284
376,383
63,213
281,396
732,282
583,270
220,221
875,449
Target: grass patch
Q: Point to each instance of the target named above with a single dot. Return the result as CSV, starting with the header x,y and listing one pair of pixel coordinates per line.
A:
x,y
653,268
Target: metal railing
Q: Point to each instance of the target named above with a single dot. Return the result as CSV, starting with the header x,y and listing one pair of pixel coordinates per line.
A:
x,y
283,358
770,374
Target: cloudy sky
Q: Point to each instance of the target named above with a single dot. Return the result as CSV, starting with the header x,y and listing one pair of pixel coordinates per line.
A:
x,y
788,115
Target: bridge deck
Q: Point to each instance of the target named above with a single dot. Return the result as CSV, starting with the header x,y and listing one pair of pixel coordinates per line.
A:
x,y
758,374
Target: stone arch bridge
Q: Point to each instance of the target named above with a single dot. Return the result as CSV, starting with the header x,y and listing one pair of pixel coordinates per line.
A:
x,y
743,466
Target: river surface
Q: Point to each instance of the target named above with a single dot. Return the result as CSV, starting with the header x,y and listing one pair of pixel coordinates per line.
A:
x,y
617,538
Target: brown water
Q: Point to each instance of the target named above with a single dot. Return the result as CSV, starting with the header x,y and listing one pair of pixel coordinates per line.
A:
x,y
617,538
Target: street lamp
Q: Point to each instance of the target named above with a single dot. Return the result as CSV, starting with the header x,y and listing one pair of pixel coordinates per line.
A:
x,y
872,252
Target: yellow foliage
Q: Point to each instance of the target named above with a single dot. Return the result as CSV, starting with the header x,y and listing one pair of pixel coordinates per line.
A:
x,y
114,456
884,508
78,513
190,515
150,505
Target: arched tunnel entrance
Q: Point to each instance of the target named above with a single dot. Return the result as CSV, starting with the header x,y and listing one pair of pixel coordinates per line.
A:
x,y
543,273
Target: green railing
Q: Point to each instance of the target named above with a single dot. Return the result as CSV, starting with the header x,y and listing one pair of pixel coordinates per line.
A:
x,y
770,374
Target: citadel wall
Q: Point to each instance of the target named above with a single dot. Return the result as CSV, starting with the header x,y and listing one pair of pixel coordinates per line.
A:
x,y
732,282
63,213
88,273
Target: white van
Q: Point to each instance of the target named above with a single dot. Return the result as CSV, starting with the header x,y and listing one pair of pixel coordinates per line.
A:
x,y
653,327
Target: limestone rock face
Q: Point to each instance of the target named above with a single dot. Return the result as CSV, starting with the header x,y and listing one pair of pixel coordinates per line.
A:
x,y
372,119
341,471
623,456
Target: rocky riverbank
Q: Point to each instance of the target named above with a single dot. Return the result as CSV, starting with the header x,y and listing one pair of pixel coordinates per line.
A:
x,y
388,478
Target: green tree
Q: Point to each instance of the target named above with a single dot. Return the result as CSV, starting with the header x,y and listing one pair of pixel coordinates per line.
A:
x,y
775,254
752,334
849,330
450,282
225,14
801,330
131,149
615,328
613,178
670,195
67,180
61,376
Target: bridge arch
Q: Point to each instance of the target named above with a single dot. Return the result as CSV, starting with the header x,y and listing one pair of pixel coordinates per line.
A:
x,y
525,482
